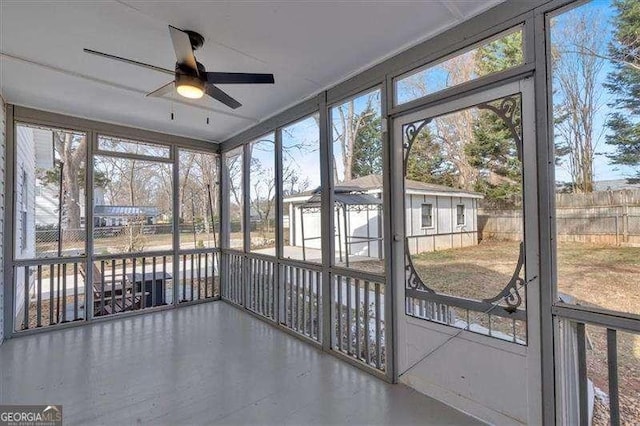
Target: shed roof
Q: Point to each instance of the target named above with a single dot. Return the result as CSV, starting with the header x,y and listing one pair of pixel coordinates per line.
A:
x,y
101,210
374,183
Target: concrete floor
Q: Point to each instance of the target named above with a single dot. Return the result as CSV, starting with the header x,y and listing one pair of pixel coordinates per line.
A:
x,y
204,364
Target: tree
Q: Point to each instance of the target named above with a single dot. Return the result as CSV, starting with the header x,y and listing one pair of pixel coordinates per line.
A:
x,y
70,151
576,75
624,82
426,162
367,146
494,153
493,149
347,126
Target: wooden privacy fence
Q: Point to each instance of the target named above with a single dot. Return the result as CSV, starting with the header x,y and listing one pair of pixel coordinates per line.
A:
x,y
605,217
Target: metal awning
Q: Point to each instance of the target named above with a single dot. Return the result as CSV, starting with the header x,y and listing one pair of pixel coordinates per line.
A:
x,y
101,210
344,196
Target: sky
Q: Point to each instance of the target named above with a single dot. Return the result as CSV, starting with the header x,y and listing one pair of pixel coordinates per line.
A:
x,y
603,169
305,132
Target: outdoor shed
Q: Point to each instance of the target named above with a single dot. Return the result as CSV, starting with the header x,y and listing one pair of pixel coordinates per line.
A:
x,y
438,218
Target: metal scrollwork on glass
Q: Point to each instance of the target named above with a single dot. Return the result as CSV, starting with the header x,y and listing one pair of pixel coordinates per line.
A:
x,y
510,294
412,278
411,131
507,110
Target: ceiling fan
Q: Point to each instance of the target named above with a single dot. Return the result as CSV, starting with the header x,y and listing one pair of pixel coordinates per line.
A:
x,y
191,79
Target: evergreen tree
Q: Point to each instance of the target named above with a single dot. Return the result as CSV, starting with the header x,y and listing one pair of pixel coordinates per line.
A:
x,y
367,146
493,149
426,162
624,83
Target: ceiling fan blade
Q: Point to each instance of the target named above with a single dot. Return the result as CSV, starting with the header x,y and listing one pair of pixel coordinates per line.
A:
x,y
161,91
221,96
182,46
239,78
129,61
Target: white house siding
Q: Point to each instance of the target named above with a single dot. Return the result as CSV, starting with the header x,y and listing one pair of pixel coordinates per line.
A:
x,y
365,224
24,247
3,142
445,233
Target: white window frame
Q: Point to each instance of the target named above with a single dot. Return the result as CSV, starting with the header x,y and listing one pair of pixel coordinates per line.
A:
x,y
422,225
464,215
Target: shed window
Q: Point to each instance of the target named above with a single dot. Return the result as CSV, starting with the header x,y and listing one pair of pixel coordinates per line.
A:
x,y
427,215
460,214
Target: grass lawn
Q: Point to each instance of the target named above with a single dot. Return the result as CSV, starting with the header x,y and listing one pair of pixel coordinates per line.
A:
x,y
595,275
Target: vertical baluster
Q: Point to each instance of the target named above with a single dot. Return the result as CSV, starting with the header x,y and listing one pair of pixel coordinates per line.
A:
x,y
125,280
296,302
51,275
272,290
378,327
75,291
264,283
206,276
164,280
252,282
39,297
304,300
290,316
612,362
367,357
143,300
232,277
102,288
255,297
234,283
199,275
153,281
255,289
234,289
25,324
265,288
183,297
582,375
357,314
135,291
113,286
318,317
64,292
192,277
338,282
310,302
260,285
349,339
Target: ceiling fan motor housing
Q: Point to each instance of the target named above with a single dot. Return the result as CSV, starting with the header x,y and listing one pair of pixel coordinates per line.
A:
x,y
188,76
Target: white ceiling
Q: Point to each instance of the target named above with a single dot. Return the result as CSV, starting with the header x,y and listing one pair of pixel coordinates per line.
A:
x,y
309,46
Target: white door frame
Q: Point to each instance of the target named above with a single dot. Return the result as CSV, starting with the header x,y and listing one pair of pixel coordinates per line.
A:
x,y
533,399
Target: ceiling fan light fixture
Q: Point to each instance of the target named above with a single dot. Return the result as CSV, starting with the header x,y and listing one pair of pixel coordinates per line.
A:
x,y
189,86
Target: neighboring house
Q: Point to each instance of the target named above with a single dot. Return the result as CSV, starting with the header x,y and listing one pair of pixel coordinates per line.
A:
x,y
104,215
25,202
437,217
